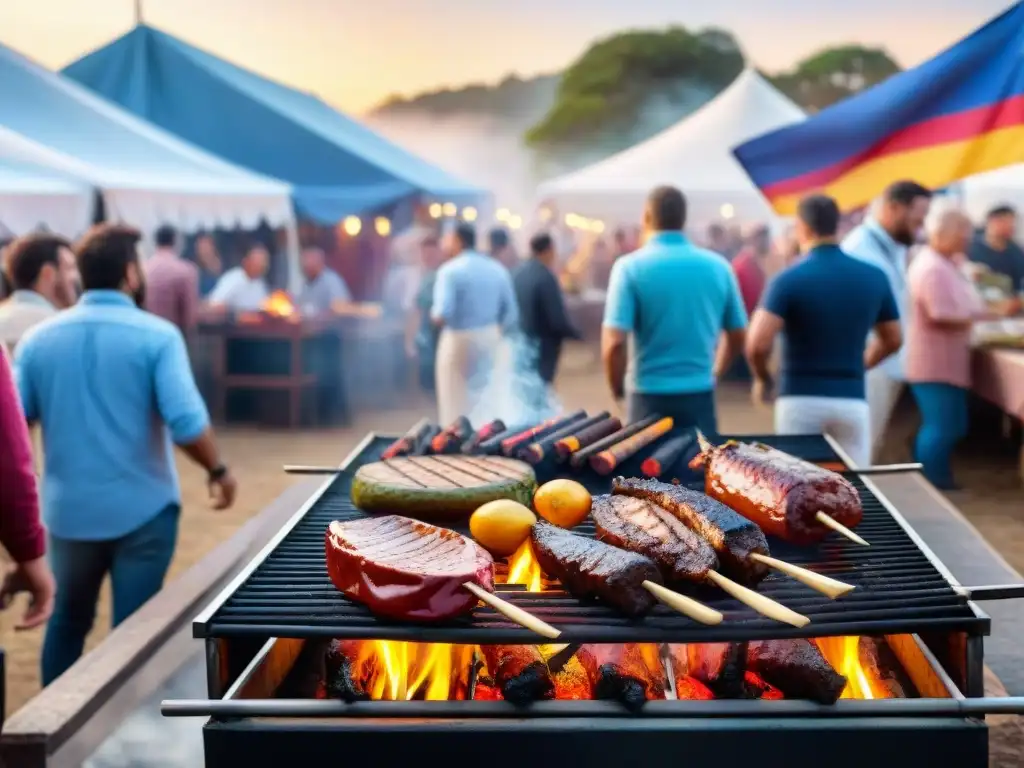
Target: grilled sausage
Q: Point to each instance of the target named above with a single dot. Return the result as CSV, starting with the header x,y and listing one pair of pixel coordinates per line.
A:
x,y
797,668
779,492
733,537
520,672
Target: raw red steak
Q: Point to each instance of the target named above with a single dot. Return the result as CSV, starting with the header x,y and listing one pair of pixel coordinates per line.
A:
x,y
406,569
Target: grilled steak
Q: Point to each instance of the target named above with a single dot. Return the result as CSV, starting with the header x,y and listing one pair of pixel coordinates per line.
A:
x,y
797,668
719,666
645,528
779,492
732,536
589,568
405,569
519,671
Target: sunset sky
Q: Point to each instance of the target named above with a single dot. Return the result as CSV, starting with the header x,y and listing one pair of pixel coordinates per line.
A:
x,y
354,53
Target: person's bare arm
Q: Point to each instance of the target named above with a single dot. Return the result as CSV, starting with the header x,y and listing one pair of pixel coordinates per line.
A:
x,y
887,339
614,358
764,327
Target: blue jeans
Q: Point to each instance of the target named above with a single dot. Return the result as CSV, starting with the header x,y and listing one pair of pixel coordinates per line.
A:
x,y
943,410
136,563
693,409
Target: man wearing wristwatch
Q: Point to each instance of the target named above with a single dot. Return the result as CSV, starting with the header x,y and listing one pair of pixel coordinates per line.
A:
x,y
113,391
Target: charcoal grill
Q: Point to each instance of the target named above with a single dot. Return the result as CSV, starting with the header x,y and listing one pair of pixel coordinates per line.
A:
x,y
903,590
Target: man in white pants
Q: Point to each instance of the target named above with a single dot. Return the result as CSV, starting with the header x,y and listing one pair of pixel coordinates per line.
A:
x,y
883,240
825,306
474,302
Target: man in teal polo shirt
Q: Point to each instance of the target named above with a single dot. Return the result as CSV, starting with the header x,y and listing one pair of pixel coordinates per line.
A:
x,y
676,301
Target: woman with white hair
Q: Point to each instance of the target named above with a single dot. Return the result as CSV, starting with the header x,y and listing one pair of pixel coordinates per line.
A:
x,y
943,306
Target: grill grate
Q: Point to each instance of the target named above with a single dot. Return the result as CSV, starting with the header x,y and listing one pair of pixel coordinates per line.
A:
x,y
899,589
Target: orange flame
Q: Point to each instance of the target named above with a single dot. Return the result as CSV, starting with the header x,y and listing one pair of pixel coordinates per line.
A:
x,y
523,568
278,304
843,653
398,671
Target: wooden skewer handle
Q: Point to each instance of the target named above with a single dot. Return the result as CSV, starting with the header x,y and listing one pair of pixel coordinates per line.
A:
x,y
302,469
514,613
839,528
886,469
763,605
685,605
830,587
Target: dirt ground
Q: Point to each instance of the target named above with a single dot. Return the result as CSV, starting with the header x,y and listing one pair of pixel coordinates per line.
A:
x,y
992,499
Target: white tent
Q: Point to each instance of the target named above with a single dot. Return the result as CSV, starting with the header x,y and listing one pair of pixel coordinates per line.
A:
x,y
147,177
984,191
33,197
695,155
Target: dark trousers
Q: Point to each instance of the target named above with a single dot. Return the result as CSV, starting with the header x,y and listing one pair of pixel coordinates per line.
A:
x,y
696,409
136,563
943,410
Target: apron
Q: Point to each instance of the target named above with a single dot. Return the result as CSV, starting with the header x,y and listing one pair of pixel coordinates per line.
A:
x,y
465,363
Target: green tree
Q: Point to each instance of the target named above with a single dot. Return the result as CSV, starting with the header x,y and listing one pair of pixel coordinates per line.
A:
x,y
833,74
608,86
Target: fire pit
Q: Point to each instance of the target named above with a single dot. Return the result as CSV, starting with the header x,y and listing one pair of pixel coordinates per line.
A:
x,y
295,671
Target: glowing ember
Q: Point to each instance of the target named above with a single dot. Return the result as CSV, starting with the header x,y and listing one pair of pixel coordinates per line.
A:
x,y
278,304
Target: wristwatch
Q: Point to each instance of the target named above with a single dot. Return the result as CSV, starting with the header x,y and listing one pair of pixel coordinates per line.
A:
x,y
217,473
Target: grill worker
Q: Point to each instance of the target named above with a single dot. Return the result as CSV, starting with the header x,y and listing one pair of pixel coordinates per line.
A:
x,y
112,388
473,302
542,315
244,288
172,284
676,300
996,248
883,240
826,306
21,532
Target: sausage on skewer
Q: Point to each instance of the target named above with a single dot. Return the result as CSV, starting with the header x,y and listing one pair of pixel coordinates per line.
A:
x,y
407,443
606,461
782,494
586,437
582,456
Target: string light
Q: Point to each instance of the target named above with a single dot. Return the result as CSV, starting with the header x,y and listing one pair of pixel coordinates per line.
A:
x,y
514,222
597,227
546,214
450,209
503,214
352,226
382,225
727,211
469,214
435,210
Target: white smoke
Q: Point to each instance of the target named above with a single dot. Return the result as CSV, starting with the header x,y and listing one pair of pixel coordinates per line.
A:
x,y
512,390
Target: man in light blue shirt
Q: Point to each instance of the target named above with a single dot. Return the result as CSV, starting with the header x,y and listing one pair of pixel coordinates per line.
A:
x,y
112,389
474,303
675,300
322,287
883,241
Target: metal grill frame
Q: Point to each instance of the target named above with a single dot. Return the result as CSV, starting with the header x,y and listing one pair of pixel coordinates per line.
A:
x,y
977,626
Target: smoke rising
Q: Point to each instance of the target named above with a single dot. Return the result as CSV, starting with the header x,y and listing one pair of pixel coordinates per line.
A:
x,y
512,390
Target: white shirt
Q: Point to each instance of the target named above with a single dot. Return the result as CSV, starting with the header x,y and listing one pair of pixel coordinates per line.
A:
x,y
871,243
239,292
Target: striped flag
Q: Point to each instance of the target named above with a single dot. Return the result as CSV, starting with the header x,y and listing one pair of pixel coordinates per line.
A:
x,y
955,115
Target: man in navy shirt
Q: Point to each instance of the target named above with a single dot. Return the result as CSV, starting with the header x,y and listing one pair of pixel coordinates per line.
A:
x,y
826,307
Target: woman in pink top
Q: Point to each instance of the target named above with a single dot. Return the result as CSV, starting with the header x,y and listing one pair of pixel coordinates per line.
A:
x,y
943,306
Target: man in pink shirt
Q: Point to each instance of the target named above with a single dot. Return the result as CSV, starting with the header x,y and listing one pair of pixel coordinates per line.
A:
x,y
943,307
172,284
21,533
749,266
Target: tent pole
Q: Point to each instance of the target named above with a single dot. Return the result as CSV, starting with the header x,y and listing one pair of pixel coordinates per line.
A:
x,y
138,12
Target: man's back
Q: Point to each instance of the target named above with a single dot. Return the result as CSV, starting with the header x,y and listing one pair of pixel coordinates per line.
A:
x,y
172,290
533,285
103,379
19,313
829,303
473,291
1008,262
676,299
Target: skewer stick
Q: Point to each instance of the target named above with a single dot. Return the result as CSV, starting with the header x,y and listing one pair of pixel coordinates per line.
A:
x,y
830,587
763,605
685,605
302,469
838,527
703,443
513,613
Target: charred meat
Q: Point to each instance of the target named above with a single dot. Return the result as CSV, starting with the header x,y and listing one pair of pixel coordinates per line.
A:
x,y
797,668
719,666
593,569
733,537
519,672
620,673
643,527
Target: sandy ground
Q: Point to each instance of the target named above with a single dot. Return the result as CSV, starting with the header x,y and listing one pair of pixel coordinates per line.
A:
x,y
991,501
